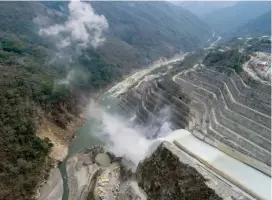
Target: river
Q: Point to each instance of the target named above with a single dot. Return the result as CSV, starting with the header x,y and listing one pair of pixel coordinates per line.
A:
x,y
85,138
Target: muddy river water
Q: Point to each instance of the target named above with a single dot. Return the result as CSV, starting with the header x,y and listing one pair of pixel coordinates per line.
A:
x,y
86,137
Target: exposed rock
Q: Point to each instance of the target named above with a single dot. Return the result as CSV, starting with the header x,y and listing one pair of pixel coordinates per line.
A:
x,y
131,191
108,183
81,175
59,137
169,173
163,176
53,188
86,168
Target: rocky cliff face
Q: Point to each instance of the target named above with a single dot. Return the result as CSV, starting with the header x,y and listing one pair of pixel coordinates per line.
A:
x,y
162,176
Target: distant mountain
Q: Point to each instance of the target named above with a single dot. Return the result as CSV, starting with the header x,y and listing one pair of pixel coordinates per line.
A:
x,y
256,27
201,8
228,19
166,30
156,28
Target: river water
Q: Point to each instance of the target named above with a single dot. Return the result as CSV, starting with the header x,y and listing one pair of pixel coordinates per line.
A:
x,y
86,137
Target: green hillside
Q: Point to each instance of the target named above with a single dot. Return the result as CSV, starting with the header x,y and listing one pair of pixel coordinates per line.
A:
x,y
30,81
154,28
227,20
158,28
202,8
257,27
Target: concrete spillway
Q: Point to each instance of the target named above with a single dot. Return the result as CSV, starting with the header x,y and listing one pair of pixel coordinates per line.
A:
x,y
224,165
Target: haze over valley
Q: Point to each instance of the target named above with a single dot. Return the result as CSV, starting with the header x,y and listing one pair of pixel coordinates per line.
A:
x,y
135,100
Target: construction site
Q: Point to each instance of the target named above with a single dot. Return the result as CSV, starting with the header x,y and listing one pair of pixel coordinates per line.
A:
x,y
227,132
217,146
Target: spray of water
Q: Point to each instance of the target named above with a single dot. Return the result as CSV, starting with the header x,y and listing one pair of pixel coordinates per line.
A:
x,y
125,139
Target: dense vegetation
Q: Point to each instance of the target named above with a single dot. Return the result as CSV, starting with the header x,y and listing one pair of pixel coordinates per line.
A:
x,y
32,86
22,154
154,29
230,58
27,92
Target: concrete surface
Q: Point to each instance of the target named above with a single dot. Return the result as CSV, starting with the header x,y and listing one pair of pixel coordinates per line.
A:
x,y
243,176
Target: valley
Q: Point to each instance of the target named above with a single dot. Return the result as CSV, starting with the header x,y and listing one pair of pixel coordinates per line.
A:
x,y
223,126
135,100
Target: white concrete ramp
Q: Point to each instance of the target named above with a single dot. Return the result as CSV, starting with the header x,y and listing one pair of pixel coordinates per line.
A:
x,y
248,179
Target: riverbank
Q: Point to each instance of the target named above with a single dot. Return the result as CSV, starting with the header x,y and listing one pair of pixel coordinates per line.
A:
x,y
52,187
59,137
97,174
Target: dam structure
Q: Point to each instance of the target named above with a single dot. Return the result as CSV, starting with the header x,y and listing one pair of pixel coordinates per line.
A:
x,y
226,122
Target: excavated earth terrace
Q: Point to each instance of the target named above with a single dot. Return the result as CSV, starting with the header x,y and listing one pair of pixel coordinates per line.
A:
x,y
219,109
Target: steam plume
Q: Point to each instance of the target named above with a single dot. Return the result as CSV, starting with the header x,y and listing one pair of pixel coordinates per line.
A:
x,y
124,139
83,27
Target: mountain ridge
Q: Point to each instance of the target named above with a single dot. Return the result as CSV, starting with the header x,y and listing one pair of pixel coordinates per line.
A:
x,y
257,27
227,19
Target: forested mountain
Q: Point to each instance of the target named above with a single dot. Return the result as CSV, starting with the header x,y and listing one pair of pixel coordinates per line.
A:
x,y
227,20
40,79
202,8
256,27
143,24
156,28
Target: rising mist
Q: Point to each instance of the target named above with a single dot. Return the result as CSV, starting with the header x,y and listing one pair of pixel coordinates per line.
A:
x,y
125,138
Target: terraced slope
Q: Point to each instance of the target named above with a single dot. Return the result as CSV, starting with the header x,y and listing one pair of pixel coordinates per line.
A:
x,y
215,105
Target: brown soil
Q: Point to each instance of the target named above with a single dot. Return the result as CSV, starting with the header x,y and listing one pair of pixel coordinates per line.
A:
x,y
58,136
